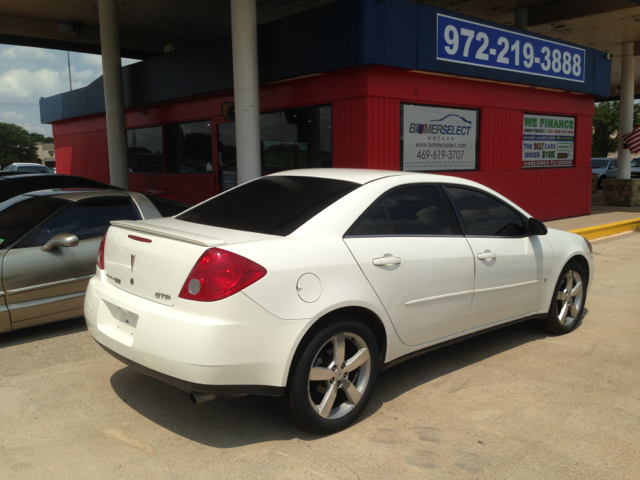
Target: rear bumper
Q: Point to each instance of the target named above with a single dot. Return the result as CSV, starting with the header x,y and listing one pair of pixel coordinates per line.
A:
x,y
217,390
229,347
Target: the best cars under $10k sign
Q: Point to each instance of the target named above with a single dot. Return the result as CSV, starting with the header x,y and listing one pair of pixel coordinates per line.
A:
x,y
438,139
548,141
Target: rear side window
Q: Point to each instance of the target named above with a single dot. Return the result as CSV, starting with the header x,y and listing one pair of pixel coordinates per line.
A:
x,y
273,205
416,210
22,214
88,219
486,216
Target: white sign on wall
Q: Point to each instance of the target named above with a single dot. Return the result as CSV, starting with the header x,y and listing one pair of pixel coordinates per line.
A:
x,y
548,141
439,138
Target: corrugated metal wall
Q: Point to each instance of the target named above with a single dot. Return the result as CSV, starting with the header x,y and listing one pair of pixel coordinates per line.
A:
x,y
366,133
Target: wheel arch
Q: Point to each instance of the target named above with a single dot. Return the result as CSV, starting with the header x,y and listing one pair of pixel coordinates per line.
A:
x,y
366,316
583,263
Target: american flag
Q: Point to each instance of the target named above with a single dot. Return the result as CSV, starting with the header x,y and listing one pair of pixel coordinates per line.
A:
x,y
632,139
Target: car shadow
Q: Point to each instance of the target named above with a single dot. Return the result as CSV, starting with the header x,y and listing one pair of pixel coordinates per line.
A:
x,y
228,423
42,332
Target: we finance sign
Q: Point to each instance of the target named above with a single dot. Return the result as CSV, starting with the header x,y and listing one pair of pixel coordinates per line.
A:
x,y
548,141
439,139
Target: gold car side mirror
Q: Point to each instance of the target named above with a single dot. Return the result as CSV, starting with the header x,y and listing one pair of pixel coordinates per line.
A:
x,y
60,240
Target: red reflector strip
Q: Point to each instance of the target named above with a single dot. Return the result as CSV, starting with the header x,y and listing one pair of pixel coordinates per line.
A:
x,y
140,239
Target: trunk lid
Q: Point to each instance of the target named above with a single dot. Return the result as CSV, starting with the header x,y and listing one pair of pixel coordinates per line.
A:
x,y
153,258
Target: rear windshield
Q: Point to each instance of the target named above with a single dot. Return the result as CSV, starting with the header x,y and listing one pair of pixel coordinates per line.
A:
x,y
599,163
272,205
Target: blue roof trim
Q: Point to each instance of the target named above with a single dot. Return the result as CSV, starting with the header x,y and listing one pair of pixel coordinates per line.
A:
x,y
341,34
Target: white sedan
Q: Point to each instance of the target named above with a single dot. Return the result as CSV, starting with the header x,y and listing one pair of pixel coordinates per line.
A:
x,y
305,284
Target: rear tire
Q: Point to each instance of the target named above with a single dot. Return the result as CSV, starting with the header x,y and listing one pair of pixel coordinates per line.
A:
x,y
601,182
567,303
333,379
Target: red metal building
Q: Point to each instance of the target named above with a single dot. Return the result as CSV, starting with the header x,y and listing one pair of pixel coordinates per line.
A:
x,y
362,101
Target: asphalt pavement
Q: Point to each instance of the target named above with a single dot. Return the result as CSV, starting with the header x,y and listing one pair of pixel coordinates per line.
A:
x,y
516,403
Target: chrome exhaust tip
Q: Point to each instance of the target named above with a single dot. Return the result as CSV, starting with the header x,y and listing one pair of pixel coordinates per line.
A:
x,y
198,398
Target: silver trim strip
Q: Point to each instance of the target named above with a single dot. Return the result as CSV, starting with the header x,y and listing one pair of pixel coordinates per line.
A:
x,y
467,292
44,301
438,297
1,294
506,287
46,285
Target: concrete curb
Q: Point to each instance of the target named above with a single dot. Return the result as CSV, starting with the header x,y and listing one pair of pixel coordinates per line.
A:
x,y
599,231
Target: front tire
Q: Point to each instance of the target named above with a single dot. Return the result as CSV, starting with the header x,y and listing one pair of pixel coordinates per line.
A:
x,y
567,303
334,377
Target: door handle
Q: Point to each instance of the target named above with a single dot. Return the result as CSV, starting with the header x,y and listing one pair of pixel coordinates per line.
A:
x,y
387,261
487,255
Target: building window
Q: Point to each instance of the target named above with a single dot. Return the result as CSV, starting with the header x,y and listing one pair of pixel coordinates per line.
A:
x,y
289,139
145,150
188,147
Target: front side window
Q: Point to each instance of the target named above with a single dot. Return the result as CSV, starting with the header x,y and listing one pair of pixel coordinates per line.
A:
x,y
416,210
484,215
296,138
272,205
88,219
145,150
19,215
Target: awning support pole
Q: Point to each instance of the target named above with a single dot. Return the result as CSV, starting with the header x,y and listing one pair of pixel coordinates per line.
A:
x,y
244,40
113,96
626,109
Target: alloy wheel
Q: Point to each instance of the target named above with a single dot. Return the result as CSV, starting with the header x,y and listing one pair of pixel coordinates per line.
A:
x,y
339,375
569,298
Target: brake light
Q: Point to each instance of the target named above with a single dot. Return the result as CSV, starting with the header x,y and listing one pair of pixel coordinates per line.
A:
x,y
100,259
219,274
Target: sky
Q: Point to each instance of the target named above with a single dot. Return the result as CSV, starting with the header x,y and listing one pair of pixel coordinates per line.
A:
x,y
28,73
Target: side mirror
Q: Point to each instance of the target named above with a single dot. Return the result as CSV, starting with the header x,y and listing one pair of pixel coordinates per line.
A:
x,y
536,227
60,240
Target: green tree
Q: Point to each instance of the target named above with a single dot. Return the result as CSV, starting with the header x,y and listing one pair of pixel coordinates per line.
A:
x,y
606,121
38,137
16,145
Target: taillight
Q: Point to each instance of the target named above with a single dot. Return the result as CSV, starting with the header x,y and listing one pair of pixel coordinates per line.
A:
x,y
219,274
100,259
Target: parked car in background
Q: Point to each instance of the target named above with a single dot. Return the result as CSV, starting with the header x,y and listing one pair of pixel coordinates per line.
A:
x,y
305,284
28,167
48,246
635,168
16,183
605,168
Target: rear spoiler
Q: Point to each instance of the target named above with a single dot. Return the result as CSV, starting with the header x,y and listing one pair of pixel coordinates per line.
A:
x,y
169,233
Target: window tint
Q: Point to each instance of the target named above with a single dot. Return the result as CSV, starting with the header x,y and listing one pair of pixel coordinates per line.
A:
x,y
484,215
373,222
167,208
410,211
271,205
188,147
598,163
88,219
21,214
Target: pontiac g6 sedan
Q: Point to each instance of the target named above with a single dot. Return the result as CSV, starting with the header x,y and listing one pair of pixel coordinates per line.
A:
x,y
305,284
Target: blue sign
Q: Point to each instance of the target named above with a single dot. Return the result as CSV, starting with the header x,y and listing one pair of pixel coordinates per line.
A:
x,y
462,41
